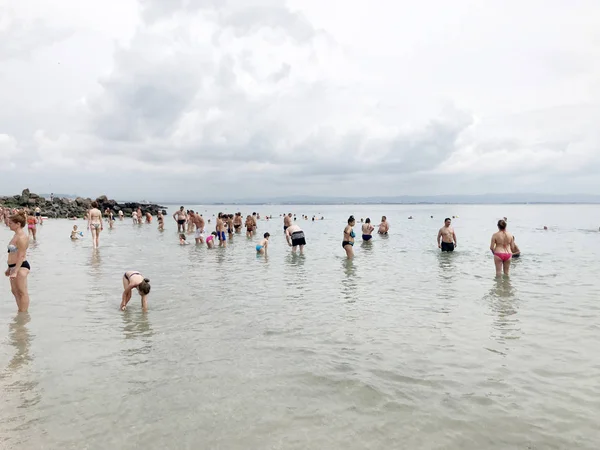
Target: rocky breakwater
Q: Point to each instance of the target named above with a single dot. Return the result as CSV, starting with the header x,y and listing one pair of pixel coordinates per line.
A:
x,y
68,207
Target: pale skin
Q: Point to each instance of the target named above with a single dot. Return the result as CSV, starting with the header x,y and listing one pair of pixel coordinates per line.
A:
x,y
446,234
287,220
180,216
502,242
128,286
17,274
265,244
288,237
95,225
384,226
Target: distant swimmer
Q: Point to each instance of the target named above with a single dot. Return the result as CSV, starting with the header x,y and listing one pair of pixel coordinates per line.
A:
x,y
516,251
294,235
348,240
500,246
18,267
135,280
384,226
287,221
95,223
446,238
180,217
545,227
261,248
367,230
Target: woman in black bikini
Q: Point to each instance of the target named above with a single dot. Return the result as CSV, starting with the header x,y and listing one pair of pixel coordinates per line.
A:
x,y
348,242
18,267
133,280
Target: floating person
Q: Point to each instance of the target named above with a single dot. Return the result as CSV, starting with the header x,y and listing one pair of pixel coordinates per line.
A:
x,y
410,217
261,248
18,267
210,240
75,234
545,227
500,246
95,223
135,280
516,251
446,238
294,235
384,226
367,230
182,239
348,240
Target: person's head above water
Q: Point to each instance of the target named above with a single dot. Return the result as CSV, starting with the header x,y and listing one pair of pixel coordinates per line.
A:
x,y
447,221
502,225
144,287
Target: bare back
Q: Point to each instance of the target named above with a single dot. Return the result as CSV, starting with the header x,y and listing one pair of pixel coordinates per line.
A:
x,y
503,241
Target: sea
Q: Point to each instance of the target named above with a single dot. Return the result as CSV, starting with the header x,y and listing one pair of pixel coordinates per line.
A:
x,y
402,347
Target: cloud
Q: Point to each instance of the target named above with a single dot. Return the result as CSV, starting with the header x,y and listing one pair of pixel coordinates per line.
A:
x,y
287,94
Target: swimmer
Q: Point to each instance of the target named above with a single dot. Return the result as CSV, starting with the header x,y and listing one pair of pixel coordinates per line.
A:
x,y
135,280
367,230
237,222
161,221
261,248
182,240
249,226
348,240
95,223
446,238
295,238
384,226
210,240
32,226
500,246
516,251
545,227
75,233
18,267
287,221
180,217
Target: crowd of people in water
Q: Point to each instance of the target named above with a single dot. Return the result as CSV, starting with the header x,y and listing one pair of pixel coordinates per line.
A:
x,y
502,245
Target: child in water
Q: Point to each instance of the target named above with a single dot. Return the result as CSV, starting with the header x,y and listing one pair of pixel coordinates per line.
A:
x,y
210,240
182,240
261,248
75,233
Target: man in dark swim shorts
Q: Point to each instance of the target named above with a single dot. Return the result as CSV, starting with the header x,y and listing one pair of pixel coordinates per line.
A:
x,y
446,237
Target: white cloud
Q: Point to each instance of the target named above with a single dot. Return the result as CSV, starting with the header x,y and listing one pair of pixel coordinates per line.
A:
x,y
302,94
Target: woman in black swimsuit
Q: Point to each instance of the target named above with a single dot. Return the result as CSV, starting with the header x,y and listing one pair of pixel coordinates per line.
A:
x,y
18,267
133,280
348,242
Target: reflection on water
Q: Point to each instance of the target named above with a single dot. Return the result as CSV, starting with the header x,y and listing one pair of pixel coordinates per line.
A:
x,y
349,282
95,262
20,339
138,331
501,299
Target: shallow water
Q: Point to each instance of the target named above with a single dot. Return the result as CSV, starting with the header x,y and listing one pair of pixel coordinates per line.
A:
x,y
400,348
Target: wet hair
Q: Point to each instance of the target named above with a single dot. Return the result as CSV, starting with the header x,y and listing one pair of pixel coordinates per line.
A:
x,y
144,287
214,233
19,217
446,219
94,204
182,236
266,235
351,219
501,224
368,220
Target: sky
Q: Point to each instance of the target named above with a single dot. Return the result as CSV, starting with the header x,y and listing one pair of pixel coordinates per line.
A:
x,y
213,100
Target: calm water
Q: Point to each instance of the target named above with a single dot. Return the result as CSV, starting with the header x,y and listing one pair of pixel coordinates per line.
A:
x,y
402,348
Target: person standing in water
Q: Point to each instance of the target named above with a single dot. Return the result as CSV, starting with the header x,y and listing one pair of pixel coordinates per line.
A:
x,y
135,280
287,221
18,267
220,229
95,223
179,217
367,230
261,248
161,221
516,251
249,226
446,238
295,237
32,226
121,215
237,222
348,241
38,215
384,226
501,245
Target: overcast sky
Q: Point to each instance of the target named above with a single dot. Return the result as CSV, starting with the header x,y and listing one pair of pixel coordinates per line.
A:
x,y
222,99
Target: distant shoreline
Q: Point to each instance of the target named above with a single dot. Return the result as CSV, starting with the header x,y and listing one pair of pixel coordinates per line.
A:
x,y
372,204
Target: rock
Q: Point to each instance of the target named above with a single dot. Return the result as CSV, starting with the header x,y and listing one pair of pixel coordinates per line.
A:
x,y
33,196
32,201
